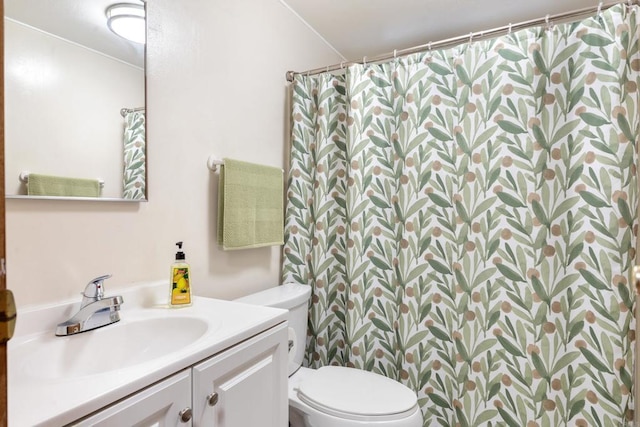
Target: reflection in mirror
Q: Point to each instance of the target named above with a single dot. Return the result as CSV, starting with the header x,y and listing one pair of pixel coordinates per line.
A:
x,y
74,102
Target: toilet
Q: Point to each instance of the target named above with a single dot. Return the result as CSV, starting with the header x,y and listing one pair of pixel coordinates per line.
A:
x,y
334,396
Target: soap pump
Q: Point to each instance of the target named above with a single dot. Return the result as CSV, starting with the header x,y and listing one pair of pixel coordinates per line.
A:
x,y
180,292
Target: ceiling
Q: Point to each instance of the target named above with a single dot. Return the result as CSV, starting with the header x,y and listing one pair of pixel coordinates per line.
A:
x,y
81,21
358,28
354,28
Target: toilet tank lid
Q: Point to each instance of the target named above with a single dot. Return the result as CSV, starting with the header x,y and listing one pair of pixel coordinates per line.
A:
x,y
288,296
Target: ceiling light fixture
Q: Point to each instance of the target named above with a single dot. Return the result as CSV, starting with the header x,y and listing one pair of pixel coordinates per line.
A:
x,y
128,21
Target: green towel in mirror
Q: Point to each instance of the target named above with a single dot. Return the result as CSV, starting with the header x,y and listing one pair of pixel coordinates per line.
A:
x,y
250,205
49,185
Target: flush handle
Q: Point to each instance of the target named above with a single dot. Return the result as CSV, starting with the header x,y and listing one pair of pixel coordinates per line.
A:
x,y
185,415
212,399
635,277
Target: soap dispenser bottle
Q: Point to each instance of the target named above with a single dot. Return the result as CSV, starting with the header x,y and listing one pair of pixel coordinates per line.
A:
x,y
180,295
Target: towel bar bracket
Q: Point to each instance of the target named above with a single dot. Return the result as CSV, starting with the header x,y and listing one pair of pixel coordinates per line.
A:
x,y
213,163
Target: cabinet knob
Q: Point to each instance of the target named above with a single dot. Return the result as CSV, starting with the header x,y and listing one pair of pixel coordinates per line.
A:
x,y
185,415
212,399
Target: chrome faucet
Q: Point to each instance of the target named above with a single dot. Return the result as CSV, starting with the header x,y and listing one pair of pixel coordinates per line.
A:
x,y
95,310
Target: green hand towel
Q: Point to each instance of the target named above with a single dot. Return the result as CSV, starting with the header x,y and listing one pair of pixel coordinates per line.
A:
x,y
48,185
250,205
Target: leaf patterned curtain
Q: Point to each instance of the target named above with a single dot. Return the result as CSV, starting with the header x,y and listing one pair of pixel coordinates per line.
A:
x,y
135,169
467,221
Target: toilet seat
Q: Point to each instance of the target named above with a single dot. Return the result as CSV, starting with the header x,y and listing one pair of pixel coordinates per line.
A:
x,y
354,394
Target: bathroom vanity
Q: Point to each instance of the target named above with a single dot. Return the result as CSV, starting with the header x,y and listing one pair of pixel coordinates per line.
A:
x,y
216,363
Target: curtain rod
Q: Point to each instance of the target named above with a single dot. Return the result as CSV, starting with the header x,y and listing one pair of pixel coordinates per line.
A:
x,y
480,35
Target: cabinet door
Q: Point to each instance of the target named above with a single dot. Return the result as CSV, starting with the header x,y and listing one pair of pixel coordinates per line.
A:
x,y
158,406
245,386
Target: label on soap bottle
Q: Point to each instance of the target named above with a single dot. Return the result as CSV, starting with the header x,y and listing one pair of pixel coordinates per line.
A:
x,y
180,290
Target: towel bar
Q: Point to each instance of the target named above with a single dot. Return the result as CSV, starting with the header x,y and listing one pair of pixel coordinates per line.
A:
x,y
213,163
24,177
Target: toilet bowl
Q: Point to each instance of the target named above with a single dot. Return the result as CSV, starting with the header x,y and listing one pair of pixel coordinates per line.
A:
x,y
334,396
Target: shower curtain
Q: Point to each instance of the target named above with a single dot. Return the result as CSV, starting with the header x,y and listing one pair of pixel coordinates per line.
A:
x,y
467,221
135,170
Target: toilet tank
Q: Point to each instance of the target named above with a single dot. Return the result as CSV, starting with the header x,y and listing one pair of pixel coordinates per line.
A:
x,y
295,298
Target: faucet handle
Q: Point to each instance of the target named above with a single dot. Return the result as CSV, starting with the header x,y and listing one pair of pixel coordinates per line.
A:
x,y
95,288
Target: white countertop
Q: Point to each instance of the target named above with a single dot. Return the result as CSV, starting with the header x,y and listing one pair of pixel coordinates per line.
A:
x,y
39,399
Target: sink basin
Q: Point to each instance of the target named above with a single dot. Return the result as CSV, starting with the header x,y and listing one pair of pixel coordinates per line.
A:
x,y
116,346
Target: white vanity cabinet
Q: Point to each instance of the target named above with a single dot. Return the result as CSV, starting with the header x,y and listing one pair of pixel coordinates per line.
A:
x,y
245,385
242,386
152,365
159,405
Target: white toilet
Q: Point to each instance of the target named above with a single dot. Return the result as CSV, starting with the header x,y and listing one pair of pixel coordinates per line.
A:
x,y
334,396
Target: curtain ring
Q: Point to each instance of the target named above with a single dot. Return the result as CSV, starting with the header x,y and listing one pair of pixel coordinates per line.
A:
x,y
471,37
547,22
395,53
599,12
364,61
509,28
342,65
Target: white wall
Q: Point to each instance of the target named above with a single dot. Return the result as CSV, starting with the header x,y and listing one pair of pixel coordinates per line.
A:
x,y
62,109
215,85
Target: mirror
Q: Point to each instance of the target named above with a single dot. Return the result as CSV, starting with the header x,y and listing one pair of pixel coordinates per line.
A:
x,y
74,102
